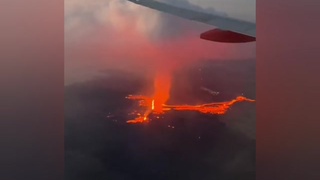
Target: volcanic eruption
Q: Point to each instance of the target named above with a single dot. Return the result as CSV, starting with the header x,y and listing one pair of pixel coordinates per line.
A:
x,y
156,104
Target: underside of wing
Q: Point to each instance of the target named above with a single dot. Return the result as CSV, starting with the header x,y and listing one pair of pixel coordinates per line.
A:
x,y
227,29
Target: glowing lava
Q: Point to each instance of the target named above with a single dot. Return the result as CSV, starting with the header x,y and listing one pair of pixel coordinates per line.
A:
x,y
156,104
218,108
210,108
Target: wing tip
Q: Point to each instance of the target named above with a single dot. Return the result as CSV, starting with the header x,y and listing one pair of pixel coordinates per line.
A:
x,y
225,36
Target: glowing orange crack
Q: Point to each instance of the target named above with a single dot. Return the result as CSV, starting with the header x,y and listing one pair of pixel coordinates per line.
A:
x,y
217,108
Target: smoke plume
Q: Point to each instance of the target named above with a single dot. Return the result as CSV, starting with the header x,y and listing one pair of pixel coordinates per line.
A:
x,y
118,34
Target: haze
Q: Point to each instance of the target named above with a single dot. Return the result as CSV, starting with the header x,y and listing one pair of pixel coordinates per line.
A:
x,y
117,34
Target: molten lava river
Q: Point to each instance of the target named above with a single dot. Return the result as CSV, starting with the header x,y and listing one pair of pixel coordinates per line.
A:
x,y
156,104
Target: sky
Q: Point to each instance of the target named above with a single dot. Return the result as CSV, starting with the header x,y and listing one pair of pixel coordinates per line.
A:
x,y
108,34
240,9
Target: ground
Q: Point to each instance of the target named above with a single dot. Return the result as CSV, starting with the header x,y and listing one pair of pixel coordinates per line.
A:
x,y
180,145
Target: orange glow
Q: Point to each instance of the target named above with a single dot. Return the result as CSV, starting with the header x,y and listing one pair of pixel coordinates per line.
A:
x,y
218,108
162,85
152,106
157,104
210,108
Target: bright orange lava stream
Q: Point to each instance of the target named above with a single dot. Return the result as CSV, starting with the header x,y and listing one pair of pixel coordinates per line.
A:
x,y
219,108
156,104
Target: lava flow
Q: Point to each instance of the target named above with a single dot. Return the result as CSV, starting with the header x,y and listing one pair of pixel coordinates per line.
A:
x,y
156,104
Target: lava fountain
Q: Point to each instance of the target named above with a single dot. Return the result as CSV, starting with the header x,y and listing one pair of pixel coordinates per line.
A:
x,y
162,85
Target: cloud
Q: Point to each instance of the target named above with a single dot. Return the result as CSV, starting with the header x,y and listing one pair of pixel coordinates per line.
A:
x,y
119,34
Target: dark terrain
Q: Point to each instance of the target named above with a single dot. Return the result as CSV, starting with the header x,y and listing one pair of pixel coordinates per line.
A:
x,y
199,147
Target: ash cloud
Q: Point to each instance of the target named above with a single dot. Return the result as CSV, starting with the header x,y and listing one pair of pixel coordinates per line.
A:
x,y
118,34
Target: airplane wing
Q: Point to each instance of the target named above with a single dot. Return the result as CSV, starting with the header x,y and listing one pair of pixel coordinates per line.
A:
x,y
228,30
